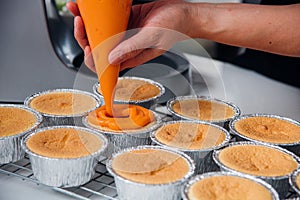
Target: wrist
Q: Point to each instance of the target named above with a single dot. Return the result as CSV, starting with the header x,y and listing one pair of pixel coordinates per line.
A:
x,y
200,20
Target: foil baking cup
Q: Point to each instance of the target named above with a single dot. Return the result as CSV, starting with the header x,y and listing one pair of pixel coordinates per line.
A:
x,y
55,120
202,157
293,147
129,190
224,123
279,183
118,140
292,181
10,146
197,178
64,172
147,103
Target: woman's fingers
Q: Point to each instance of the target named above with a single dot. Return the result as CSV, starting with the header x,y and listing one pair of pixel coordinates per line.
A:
x,y
79,32
141,58
73,8
133,46
88,59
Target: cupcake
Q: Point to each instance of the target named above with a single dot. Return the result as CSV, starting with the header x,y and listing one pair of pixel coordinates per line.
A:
x,y
63,106
270,163
196,139
123,132
135,90
295,181
271,129
150,172
225,185
203,109
64,156
15,122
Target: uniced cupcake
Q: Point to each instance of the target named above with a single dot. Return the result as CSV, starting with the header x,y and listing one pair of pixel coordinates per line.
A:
x,y
64,156
203,109
15,122
150,172
196,139
135,90
270,163
270,129
225,185
63,106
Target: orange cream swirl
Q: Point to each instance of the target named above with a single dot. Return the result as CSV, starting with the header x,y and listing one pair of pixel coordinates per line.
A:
x,y
125,117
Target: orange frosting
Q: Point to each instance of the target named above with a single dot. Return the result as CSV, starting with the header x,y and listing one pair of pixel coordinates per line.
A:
x,y
104,19
125,117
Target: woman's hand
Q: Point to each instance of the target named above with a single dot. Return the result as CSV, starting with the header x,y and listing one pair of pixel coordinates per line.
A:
x,y
80,35
161,24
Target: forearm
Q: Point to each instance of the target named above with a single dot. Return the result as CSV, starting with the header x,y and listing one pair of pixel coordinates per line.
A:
x,y
268,28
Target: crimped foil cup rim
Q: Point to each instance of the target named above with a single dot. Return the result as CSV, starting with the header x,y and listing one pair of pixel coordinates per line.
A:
x,y
292,181
153,127
171,101
224,143
234,131
199,177
221,165
190,162
99,102
161,88
39,120
104,143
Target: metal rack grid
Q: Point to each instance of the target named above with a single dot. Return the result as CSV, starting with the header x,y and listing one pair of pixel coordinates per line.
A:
x,y
100,187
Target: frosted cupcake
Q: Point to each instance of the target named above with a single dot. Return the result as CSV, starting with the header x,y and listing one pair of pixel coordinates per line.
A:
x,y
130,127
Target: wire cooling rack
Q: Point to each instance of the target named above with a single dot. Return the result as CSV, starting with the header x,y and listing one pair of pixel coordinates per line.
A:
x,y
100,187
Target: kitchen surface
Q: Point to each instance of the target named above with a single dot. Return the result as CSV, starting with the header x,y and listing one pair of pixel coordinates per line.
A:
x,y
38,52
252,92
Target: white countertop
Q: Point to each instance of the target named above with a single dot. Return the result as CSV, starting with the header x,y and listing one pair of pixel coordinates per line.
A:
x,y
252,92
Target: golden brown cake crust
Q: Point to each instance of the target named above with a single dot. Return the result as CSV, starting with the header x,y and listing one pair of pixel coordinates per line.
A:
x,y
15,120
258,160
268,129
134,90
298,180
170,173
203,110
63,103
64,143
190,135
229,188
